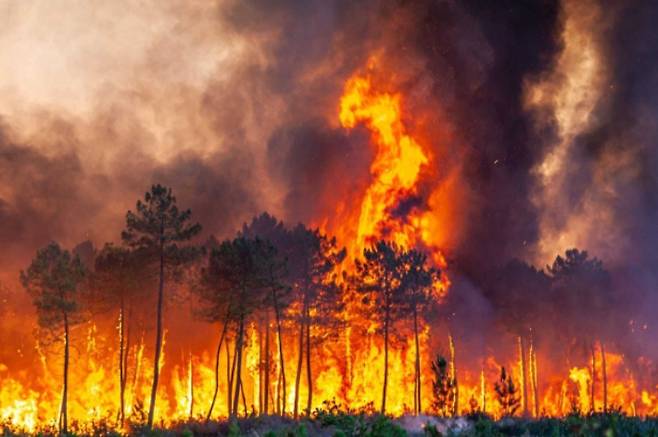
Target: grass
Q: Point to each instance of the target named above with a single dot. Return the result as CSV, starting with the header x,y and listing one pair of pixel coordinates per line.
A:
x,y
334,421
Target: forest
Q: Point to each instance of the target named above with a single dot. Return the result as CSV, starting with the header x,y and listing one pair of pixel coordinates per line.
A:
x,y
271,281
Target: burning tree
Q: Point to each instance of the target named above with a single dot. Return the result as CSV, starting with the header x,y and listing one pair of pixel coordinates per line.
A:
x,y
117,281
233,293
275,276
379,276
53,280
521,293
155,229
418,281
506,394
313,260
580,283
443,387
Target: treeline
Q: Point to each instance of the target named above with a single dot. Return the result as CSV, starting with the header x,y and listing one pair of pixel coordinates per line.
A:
x,y
268,274
296,283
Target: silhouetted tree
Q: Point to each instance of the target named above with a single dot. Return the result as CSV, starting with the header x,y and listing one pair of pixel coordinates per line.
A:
x,y
585,299
417,286
379,277
521,294
235,292
117,282
443,387
506,394
157,227
54,280
276,278
313,263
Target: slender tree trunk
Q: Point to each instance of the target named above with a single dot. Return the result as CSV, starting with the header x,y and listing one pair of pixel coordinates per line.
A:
x,y
604,373
299,363
219,349
281,394
483,392
417,393
191,384
524,383
533,378
65,388
261,366
266,395
453,374
386,323
309,376
593,387
244,398
126,356
229,378
238,380
158,337
122,369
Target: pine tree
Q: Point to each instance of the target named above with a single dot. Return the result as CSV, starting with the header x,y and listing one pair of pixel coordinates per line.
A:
x,y
156,228
54,280
443,387
507,394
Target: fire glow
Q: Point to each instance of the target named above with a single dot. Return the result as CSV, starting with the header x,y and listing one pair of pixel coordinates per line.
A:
x,y
348,370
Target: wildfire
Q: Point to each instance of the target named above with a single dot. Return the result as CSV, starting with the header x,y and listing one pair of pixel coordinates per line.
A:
x,y
349,372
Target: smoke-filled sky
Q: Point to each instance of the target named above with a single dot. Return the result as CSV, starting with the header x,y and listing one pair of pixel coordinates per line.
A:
x,y
546,110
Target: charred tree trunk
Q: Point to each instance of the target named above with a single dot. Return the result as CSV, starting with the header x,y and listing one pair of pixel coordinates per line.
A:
x,y
453,374
281,393
65,387
191,383
384,387
299,362
238,358
266,394
524,383
244,399
604,373
417,394
158,334
217,354
309,377
122,375
229,377
593,387
533,378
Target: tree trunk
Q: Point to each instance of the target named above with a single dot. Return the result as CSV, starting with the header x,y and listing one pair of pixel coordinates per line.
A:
x,y
386,322
219,349
483,392
238,379
453,374
158,338
309,377
524,384
65,388
122,367
266,394
244,399
604,372
299,363
191,385
593,393
229,368
533,378
417,394
282,366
